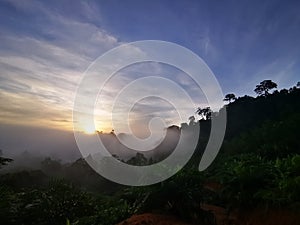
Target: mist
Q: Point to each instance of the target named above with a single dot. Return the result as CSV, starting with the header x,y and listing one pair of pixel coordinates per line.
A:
x,y
41,142
29,146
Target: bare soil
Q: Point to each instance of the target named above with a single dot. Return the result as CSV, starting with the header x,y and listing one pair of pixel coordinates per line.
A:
x,y
255,217
152,219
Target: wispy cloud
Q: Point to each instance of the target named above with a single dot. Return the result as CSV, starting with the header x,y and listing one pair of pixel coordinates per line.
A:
x,y
43,57
41,70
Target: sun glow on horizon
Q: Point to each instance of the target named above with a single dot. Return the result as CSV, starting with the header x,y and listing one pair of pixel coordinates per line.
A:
x,y
92,128
89,130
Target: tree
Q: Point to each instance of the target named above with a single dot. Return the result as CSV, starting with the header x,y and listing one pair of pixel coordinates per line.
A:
x,y
51,166
4,161
205,113
138,160
298,84
229,97
264,87
192,120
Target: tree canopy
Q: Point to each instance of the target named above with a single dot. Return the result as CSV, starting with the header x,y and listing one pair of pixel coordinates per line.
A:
x,y
205,113
230,97
264,87
4,161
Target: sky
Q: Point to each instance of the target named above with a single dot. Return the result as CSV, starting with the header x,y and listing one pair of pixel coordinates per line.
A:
x,y
46,46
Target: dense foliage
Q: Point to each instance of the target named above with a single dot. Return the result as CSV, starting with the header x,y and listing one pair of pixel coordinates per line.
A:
x,y
259,165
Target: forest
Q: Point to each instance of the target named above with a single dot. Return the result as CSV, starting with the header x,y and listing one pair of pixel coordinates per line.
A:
x,y
257,172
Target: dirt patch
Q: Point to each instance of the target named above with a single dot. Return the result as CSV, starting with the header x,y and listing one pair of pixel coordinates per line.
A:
x,y
270,217
153,219
254,217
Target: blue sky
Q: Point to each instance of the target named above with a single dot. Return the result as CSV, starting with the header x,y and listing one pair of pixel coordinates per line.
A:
x,y
45,46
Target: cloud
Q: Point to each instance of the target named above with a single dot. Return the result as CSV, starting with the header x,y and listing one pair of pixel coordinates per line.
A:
x,y
44,57
40,71
129,96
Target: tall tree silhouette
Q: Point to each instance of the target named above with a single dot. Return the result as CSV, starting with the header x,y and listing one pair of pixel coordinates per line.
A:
x,y
205,113
229,97
264,87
